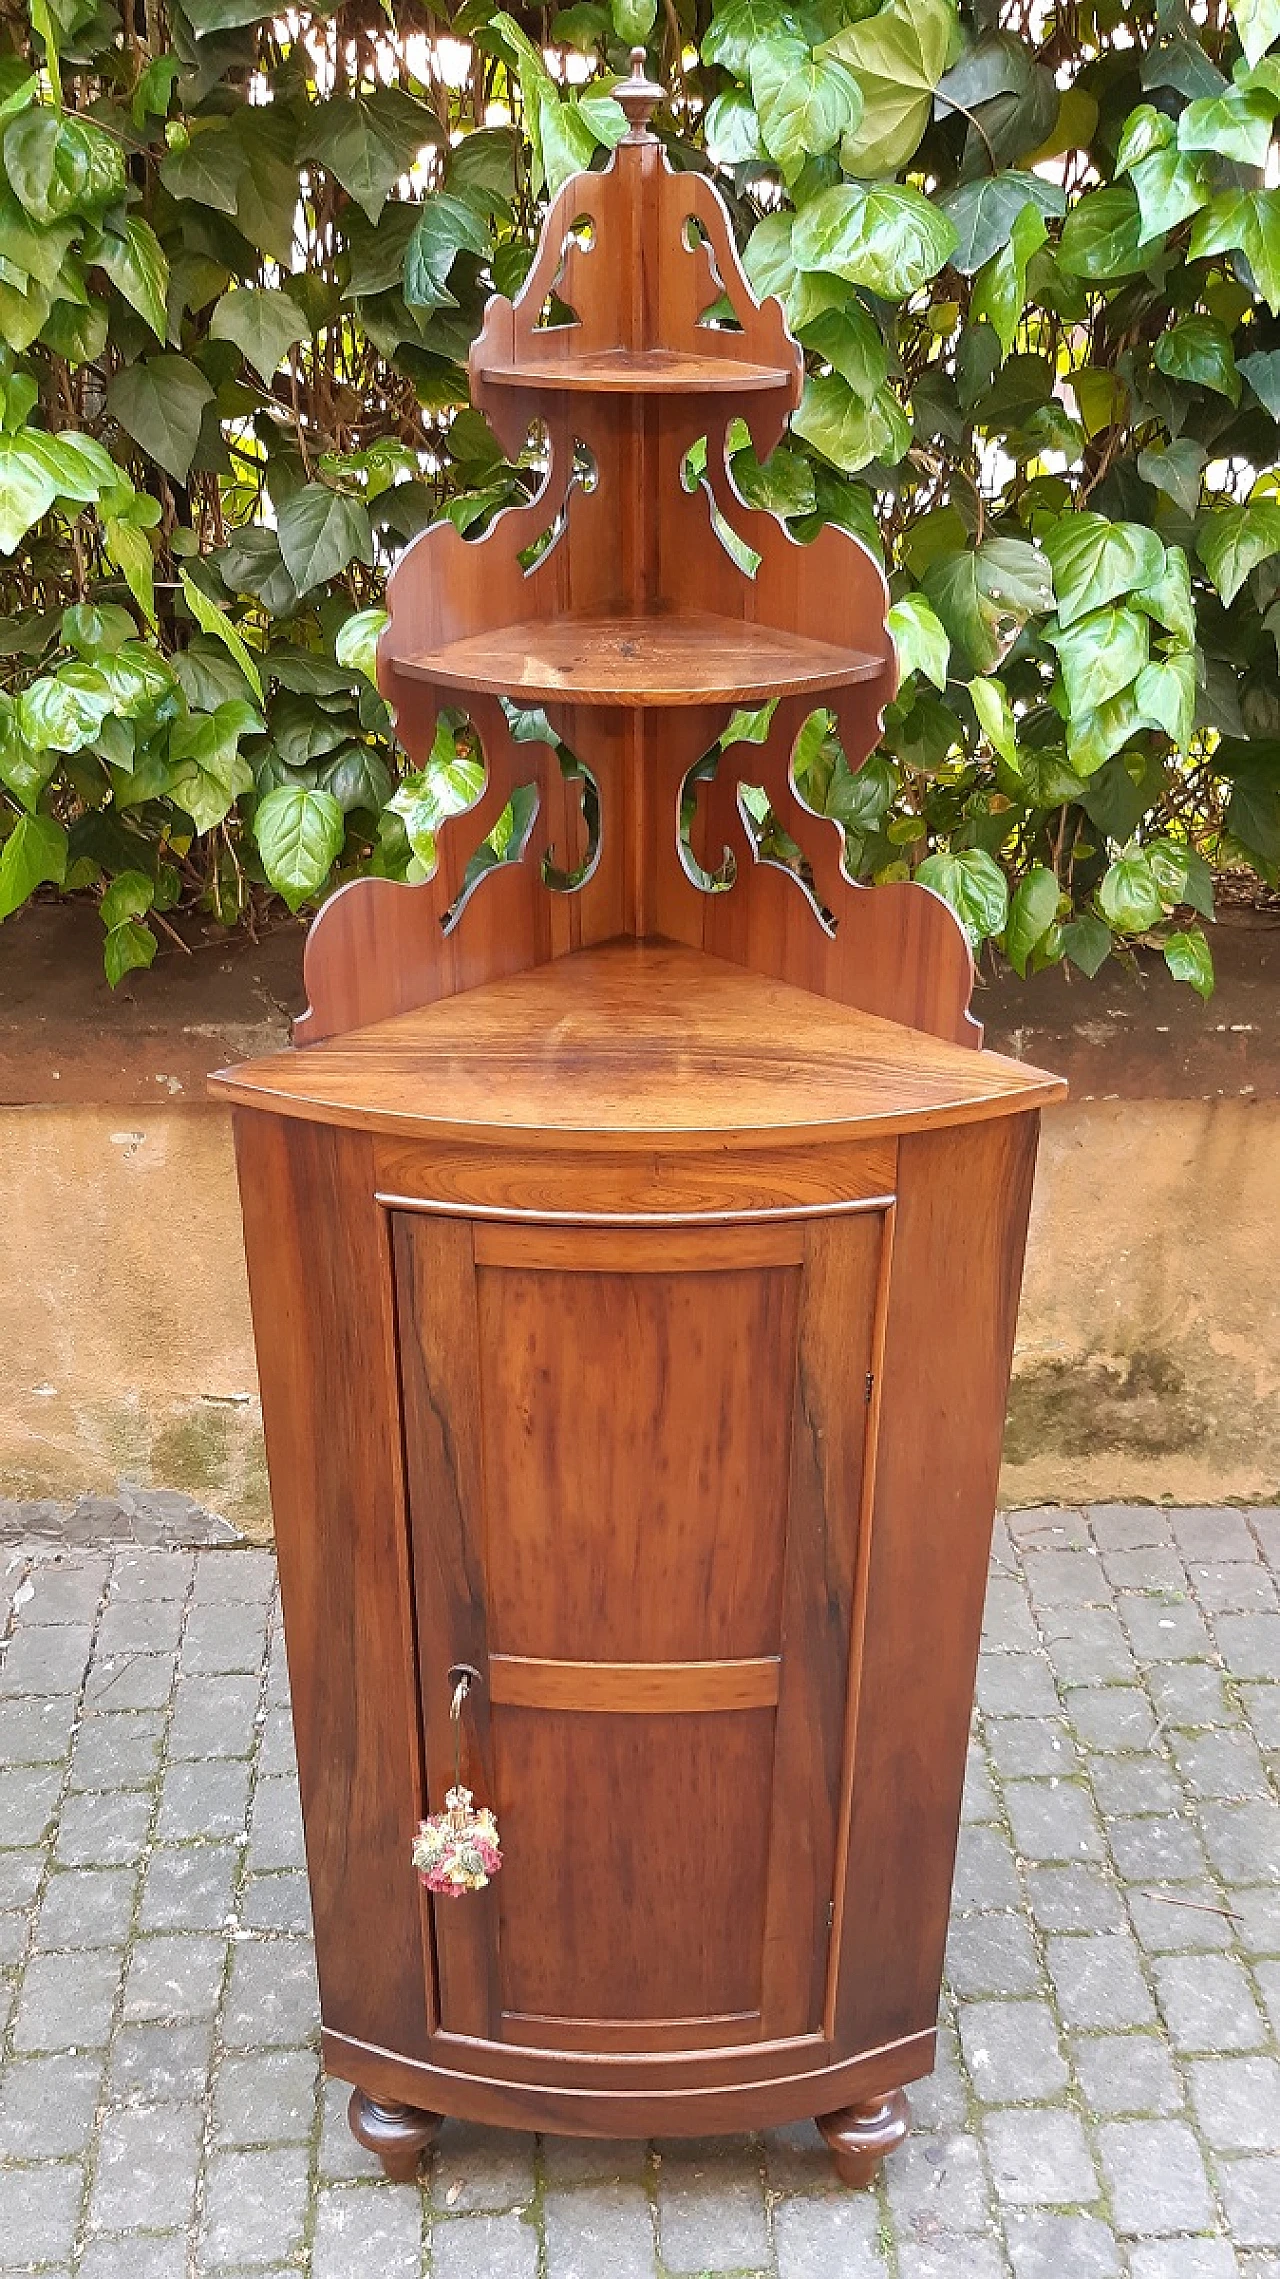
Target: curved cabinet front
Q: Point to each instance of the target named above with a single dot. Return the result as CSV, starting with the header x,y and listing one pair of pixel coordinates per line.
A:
x,y
637,1466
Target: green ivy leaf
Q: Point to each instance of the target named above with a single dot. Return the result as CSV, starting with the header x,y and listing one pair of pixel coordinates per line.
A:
x,y
27,490
737,30
357,642
808,111
1177,470
1189,958
215,621
1249,220
889,239
995,718
1102,237
1258,23
897,58
368,141
445,227
207,169
208,773
1100,654
34,854
1031,914
1235,125
1094,561
1129,896
850,341
985,596
135,263
1170,188
161,405
733,130
1087,942
1198,349
59,164
983,213
1000,290
299,835
320,532
263,325
848,431
1234,540
920,638
1166,696
974,885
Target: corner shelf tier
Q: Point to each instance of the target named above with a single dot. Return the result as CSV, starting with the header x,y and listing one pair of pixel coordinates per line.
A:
x,y
641,662
638,372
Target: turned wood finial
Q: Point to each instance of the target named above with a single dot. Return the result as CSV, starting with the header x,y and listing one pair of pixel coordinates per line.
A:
x,y
639,98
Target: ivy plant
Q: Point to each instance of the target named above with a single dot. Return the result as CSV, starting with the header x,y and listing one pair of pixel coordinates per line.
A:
x,y
1032,255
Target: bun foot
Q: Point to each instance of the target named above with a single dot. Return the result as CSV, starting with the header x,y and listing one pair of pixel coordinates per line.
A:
x,y
399,2134
859,2136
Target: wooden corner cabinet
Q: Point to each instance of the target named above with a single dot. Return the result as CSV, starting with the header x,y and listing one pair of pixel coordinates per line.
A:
x,y
634,1253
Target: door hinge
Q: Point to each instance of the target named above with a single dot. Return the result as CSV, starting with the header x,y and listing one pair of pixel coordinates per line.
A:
x,y
871,1378
831,1914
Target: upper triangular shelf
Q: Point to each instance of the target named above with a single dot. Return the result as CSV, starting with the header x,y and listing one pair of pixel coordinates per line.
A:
x,y
640,256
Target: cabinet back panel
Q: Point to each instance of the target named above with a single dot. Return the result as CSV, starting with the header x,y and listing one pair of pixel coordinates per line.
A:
x,y
636,1434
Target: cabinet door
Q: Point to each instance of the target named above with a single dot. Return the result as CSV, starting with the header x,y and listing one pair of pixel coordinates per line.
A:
x,y
637,1464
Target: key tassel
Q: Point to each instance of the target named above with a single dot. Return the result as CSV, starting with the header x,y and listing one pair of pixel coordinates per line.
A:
x,y
457,1850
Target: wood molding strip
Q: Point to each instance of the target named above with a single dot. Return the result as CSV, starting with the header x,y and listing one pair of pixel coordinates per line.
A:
x,y
495,1214
640,1250
638,1689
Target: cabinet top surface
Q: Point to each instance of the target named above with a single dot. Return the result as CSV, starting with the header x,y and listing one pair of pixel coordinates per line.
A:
x,y
631,1042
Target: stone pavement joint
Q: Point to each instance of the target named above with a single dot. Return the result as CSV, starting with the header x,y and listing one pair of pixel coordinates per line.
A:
x,y
1107,2099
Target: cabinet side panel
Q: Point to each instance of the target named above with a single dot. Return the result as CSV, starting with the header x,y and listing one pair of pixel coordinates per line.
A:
x,y
320,1288
963,1198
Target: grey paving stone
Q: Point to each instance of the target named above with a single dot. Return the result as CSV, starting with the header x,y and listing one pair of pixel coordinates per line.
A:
x,y
1209,1532
1268,1977
1237,2102
1183,2259
275,1832
103,1830
1066,1578
67,1590
1126,1527
936,2183
601,2228
36,1730
146,2172
1053,1821
118,1749
1256,1919
1039,2158
1017,1685
1156,2177
951,2258
815,2239
1244,1840
28,1797
1166,1629
1151,1850
224,1641
255,2206
1250,2189
991,1954
1075,1899
1264,1525
236,1575
985,1871
66,2002
129,1681
279,1902
47,2106
1098,1980
1221,1764
140,1626
362,2228
940,2101
796,2158
1048,1527
189,1887
1024,1747
476,2169
1262,1708
209,1798
1044,2246
1207,2003
1125,2073
1011,2050
266,2100
613,2160
272,1999
1232,1587
979,1800
161,2064
1111,1717
1008,1624
1190,1694
1190,1919
1124,1784
341,2158
711,2210
13,1940
45,1661
1155,1568
20,1874
174,1975
38,2212
214,1717
87,1907
141,1575
1250,1644
1088,1647
137,2256
277,1753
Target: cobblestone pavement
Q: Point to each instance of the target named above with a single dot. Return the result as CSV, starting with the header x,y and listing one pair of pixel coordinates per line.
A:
x,y
1108,2095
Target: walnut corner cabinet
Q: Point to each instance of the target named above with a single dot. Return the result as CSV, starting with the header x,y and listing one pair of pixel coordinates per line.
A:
x,y
634,1249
